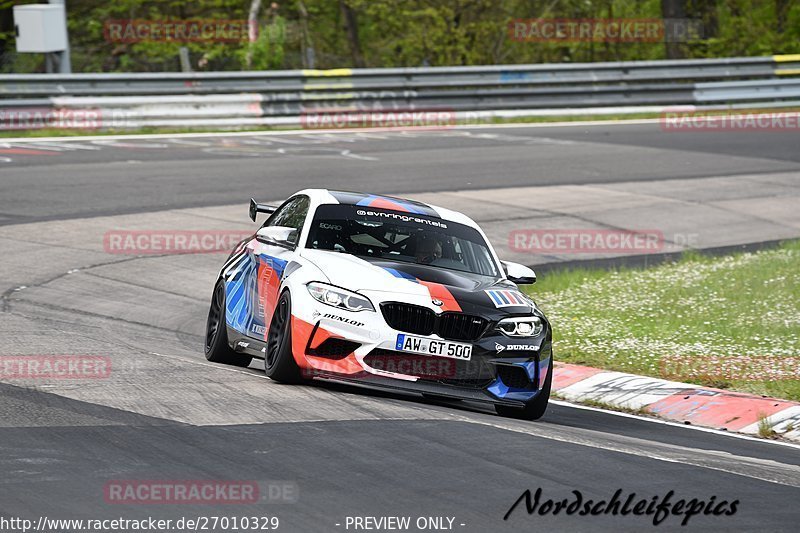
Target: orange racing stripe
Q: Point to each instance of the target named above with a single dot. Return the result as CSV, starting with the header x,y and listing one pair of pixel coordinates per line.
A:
x,y
440,292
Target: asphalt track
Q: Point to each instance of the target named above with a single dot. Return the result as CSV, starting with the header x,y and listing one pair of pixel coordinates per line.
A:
x,y
164,413
54,180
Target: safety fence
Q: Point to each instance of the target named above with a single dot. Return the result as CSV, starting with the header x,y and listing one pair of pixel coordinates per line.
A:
x,y
231,99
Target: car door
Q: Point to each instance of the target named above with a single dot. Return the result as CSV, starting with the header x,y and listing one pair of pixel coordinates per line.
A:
x,y
268,262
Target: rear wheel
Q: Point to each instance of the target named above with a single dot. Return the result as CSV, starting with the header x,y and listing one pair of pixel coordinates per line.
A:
x,y
534,409
279,363
217,349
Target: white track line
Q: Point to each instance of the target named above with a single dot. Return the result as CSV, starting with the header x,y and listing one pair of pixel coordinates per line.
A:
x,y
676,424
200,135
781,473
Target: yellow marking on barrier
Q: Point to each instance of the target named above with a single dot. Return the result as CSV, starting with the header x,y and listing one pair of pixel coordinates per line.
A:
x,y
786,58
328,73
335,96
787,72
326,86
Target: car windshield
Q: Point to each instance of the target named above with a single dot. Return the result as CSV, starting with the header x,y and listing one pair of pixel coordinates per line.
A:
x,y
404,237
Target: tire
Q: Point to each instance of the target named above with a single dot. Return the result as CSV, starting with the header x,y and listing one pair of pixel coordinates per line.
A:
x,y
216,346
279,363
533,410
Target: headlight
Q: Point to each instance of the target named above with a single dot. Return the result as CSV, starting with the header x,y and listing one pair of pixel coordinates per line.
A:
x,y
341,298
525,326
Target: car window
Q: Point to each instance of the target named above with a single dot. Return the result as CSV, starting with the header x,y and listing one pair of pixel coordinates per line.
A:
x,y
292,214
408,238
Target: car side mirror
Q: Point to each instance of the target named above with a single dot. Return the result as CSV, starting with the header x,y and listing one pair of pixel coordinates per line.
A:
x,y
519,274
277,235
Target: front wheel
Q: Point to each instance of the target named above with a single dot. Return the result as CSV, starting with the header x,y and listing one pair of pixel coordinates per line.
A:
x,y
216,348
534,409
279,363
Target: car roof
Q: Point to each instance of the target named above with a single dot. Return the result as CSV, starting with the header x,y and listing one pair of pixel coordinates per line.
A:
x,y
391,203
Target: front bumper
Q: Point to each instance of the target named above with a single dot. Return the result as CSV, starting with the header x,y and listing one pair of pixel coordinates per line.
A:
x,y
359,347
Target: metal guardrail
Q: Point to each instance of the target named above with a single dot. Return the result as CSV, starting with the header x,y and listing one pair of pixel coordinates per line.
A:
x,y
174,97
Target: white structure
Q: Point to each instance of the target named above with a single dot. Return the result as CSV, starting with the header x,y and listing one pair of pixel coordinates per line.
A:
x,y
42,28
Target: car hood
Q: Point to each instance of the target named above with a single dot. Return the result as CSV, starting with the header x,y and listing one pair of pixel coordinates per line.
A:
x,y
460,291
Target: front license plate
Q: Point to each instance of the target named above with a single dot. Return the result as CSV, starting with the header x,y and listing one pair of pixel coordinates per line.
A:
x,y
426,346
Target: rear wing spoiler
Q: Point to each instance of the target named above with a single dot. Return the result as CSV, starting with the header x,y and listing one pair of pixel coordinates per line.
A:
x,y
256,208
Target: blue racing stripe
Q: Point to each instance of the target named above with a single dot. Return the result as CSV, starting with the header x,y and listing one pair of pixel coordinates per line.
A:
x,y
494,298
403,275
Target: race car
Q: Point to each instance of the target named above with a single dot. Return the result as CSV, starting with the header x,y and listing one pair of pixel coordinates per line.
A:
x,y
384,292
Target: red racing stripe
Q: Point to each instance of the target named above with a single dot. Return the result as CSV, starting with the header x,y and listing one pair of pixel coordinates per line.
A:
x,y
385,203
440,292
301,335
268,285
25,151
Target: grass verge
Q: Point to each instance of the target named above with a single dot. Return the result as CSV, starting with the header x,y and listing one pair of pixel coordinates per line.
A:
x,y
729,322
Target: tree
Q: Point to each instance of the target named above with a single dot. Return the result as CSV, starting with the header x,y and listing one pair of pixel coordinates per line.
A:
x,y
252,19
351,29
673,9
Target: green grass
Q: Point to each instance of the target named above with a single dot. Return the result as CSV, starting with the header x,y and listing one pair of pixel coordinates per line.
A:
x,y
728,322
765,430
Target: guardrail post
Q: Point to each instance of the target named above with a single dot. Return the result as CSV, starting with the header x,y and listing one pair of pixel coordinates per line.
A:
x,y
64,59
